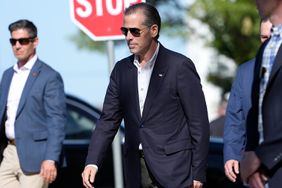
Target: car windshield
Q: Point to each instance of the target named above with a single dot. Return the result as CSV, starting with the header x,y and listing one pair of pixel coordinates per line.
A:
x,y
81,120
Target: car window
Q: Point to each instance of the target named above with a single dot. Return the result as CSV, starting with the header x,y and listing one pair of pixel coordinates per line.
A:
x,y
81,120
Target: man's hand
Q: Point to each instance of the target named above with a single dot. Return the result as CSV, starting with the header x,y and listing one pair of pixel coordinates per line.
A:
x,y
48,171
249,165
196,184
88,176
257,180
231,168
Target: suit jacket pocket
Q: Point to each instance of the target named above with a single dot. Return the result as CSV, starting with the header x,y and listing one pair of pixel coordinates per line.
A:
x,y
177,146
40,136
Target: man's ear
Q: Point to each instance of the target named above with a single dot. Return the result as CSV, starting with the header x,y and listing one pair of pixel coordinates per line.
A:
x,y
154,30
35,42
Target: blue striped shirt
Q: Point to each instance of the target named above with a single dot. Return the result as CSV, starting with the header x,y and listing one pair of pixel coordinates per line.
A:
x,y
269,55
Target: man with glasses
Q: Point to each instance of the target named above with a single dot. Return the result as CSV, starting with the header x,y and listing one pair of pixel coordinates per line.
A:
x,y
32,114
158,94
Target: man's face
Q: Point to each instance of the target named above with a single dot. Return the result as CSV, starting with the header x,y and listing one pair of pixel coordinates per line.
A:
x,y
23,51
137,35
265,30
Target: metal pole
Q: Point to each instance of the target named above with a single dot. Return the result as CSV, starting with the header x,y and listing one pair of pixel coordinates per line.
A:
x,y
116,145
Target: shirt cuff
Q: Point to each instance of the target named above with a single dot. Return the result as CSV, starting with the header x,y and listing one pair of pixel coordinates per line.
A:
x,y
93,165
50,161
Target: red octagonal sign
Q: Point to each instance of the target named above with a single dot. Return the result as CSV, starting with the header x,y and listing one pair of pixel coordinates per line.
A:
x,y
100,19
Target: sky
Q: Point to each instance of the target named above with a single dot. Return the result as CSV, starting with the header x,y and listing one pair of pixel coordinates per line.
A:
x,y
85,73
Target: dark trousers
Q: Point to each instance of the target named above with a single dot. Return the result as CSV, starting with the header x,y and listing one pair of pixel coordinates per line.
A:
x,y
147,180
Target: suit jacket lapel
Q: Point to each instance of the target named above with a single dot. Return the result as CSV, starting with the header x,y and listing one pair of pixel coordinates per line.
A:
x,y
157,77
276,65
132,84
30,80
252,117
6,86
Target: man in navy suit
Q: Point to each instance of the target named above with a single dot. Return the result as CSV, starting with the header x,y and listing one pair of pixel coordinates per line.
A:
x,y
32,114
158,94
261,164
239,104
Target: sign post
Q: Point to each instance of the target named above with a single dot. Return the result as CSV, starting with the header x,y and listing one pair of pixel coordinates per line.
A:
x,y
101,20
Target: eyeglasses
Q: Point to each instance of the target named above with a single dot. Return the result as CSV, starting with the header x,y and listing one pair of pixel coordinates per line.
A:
x,y
136,32
22,41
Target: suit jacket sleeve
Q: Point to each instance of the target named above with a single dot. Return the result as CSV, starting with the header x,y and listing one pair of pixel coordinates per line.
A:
x,y
108,123
55,107
234,128
194,106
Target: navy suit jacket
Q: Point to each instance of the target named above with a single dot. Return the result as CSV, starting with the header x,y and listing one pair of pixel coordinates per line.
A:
x,y
40,119
270,150
174,127
238,107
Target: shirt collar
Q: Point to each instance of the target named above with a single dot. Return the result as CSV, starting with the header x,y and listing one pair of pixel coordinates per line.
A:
x,y
27,66
151,62
276,30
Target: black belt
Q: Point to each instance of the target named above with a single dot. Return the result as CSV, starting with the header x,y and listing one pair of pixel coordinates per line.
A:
x,y
12,142
141,154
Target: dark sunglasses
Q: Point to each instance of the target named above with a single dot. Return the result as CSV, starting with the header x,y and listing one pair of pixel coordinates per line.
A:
x,y
22,41
136,32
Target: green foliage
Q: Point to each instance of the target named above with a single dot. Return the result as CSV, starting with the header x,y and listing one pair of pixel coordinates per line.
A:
x,y
234,25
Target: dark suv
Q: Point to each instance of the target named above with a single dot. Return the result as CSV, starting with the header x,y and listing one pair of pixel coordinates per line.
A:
x,y
215,173
81,120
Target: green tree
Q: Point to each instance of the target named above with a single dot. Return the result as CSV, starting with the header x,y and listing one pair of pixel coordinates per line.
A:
x,y
234,25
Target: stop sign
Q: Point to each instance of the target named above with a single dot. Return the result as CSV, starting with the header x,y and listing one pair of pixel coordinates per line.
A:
x,y
100,19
